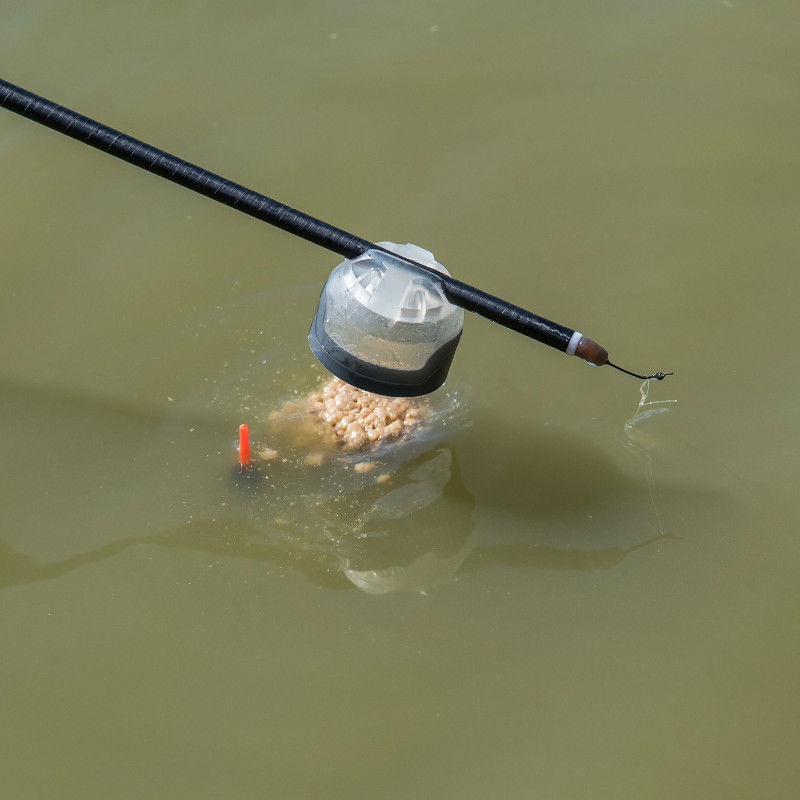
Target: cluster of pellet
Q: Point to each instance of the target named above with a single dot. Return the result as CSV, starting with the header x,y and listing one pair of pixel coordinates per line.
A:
x,y
358,419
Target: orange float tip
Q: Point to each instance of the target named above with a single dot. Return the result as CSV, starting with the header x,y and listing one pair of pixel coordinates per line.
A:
x,y
244,445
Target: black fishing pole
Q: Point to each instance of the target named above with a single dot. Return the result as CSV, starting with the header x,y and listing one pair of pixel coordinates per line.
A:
x,y
257,205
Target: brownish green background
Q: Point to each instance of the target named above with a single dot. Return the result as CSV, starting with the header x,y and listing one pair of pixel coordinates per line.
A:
x,y
628,168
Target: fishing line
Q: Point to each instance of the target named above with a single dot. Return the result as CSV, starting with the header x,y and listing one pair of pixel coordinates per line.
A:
x,y
644,391
656,376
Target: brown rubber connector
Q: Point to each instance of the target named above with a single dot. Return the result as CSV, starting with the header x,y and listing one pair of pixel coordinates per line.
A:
x,y
592,352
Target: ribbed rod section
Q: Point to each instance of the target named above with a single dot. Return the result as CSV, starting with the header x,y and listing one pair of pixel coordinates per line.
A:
x,y
184,173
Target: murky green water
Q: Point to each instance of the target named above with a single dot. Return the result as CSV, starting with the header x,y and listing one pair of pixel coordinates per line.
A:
x,y
538,605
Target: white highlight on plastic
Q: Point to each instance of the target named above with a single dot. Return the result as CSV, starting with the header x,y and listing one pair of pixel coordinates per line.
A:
x,y
573,343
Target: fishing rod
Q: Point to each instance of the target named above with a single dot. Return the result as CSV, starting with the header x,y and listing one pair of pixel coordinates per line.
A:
x,y
184,173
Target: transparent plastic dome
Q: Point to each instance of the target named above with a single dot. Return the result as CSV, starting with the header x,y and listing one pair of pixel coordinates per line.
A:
x,y
385,326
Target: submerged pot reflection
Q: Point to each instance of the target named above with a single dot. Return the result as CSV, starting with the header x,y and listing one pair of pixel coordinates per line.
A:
x,y
414,534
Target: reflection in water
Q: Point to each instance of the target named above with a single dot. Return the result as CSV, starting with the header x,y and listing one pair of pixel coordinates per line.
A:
x,y
648,426
646,430
541,557
334,525
17,569
411,537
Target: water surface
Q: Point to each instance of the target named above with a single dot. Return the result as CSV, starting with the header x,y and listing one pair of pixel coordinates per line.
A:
x,y
539,604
